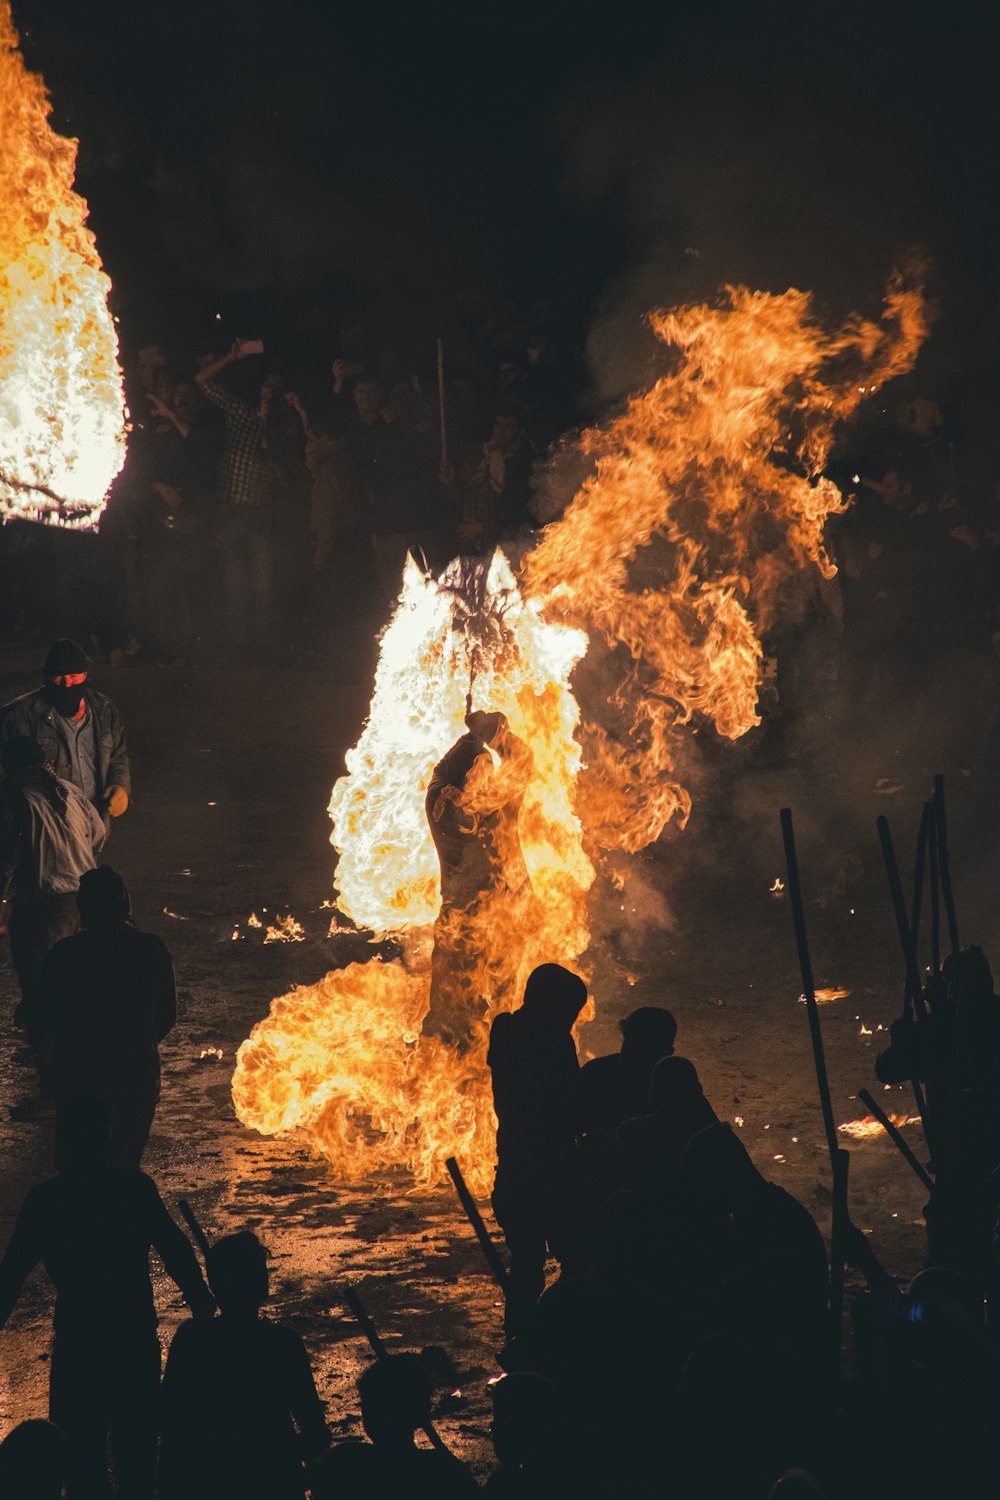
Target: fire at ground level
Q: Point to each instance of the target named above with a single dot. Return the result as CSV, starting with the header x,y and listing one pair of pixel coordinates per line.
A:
x,y
232,775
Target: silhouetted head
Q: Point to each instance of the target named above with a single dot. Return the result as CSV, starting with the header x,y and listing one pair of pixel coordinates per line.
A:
x,y
648,1034
20,753
237,1273
83,1133
554,997
525,1412
395,1399
968,975
33,1463
718,1165
102,898
674,1086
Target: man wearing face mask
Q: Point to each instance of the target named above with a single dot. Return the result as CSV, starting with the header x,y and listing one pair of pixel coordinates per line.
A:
x,y
79,729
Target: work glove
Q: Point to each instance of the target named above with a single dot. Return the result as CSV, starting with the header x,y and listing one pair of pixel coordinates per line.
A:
x,y
116,800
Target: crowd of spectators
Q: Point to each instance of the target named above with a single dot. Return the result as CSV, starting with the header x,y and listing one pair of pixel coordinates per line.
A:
x,y
260,516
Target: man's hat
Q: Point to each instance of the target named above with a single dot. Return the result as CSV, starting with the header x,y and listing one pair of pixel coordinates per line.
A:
x,y
65,658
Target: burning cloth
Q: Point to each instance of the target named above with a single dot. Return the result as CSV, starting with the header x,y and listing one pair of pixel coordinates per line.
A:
x,y
473,805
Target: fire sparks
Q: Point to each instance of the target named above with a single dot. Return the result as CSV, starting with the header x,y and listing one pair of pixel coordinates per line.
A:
x,y
62,410
868,1127
706,504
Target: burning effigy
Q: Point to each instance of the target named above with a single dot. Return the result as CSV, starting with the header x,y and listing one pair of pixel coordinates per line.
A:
x,y
62,408
703,513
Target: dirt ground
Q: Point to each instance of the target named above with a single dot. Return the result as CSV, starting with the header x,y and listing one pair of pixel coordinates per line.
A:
x,y
232,777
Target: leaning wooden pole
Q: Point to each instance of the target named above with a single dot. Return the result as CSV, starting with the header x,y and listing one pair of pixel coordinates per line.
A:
x,y
191,1220
944,866
475,1218
896,1138
839,1159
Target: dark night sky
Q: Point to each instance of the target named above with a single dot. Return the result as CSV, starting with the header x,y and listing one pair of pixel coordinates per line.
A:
x,y
277,160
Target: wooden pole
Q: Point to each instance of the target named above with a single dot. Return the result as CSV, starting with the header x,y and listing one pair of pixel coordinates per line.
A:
x,y
896,1138
918,876
191,1220
945,867
442,413
475,1218
915,992
932,853
838,1157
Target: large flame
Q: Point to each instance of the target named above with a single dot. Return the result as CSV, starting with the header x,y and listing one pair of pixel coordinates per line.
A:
x,y
706,505
62,413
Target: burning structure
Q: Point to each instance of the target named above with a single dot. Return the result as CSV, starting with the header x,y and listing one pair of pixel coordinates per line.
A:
x,y
62,411
700,525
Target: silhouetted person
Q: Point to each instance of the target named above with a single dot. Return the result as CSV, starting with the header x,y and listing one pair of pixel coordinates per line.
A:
x,y
106,998
240,1413
533,1060
395,1401
33,1462
93,1227
772,1244
616,1088
648,1149
50,834
473,805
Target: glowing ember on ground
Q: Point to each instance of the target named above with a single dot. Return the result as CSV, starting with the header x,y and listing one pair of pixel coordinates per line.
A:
x,y
62,412
827,996
868,1127
706,502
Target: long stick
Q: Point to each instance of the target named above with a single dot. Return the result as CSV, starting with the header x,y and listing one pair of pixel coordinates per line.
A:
x,y
475,1218
379,1350
808,987
200,1237
915,994
918,876
945,867
896,1138
442,415
932,850
838,1164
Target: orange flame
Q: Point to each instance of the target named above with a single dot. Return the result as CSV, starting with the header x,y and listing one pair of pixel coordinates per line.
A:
x,y
716,476
62,411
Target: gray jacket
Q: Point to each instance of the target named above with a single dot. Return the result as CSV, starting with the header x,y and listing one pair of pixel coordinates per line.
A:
x,y
33,715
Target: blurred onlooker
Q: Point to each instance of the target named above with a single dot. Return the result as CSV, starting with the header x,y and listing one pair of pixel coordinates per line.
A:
x,y
247,509
492,485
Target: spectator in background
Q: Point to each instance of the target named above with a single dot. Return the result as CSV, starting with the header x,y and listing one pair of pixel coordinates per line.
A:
x,y
247,509
492,487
